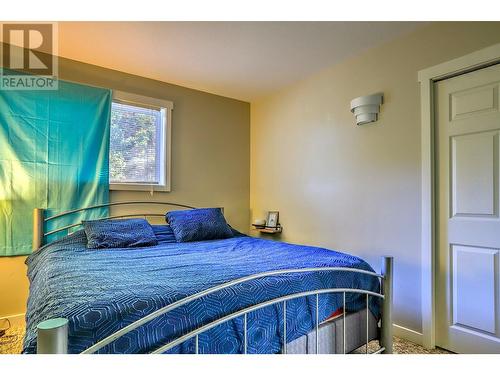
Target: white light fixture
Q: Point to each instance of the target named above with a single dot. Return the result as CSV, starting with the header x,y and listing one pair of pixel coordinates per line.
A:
x,y
366,108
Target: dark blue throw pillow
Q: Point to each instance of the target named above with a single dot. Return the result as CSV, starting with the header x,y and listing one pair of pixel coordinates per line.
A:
x,y
163,233
119,233
199,224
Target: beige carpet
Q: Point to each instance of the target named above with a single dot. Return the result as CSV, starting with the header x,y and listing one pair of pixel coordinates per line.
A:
x,y
401,346
12,343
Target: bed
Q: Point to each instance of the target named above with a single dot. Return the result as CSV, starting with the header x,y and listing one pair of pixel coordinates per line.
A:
x,y
234,295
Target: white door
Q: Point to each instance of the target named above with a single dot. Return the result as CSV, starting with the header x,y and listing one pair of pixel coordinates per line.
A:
x,y
468,231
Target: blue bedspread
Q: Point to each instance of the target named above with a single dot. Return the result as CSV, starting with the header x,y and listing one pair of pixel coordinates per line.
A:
x,y
103,290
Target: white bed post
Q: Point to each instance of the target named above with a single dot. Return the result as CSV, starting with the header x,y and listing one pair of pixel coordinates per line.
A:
x,y
38,218
386,329
52,336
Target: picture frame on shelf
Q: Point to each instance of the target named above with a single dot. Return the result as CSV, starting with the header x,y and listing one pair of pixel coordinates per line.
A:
x,y
272,220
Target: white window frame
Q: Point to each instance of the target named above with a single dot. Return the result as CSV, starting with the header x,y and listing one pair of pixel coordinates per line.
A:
x,y
166,108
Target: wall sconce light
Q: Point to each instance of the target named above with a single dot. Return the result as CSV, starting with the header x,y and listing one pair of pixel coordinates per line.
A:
x,y
366,108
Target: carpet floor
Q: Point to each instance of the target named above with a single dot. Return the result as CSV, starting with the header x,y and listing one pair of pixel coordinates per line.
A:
x,y
12,342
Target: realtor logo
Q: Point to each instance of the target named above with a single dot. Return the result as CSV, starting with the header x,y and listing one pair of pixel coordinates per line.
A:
x,y
29,59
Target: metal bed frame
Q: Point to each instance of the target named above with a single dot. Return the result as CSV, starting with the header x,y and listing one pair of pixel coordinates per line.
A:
x,y
52,335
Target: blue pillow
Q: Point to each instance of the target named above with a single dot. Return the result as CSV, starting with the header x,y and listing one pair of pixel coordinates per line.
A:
x,y
199,225
119,233
164,233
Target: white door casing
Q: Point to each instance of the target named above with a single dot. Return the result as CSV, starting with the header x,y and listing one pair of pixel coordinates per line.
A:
x,y
468,231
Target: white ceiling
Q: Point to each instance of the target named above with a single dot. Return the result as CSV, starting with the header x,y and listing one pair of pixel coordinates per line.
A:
x,y
242,60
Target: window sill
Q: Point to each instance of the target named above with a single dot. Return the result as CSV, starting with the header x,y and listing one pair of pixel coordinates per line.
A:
x,y
140,187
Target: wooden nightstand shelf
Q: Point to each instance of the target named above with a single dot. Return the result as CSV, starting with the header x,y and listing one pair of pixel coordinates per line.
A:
x,y
268,230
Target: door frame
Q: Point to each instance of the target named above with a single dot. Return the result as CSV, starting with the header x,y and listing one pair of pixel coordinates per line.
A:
x,y
427,78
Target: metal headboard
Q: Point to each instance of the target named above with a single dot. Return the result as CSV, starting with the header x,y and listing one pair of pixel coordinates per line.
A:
x,y
39,218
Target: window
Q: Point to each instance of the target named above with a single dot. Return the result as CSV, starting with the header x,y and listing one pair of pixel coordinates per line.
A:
x,y
139,155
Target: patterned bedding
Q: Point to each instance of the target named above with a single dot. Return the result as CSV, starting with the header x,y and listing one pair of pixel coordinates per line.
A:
x,y
103,290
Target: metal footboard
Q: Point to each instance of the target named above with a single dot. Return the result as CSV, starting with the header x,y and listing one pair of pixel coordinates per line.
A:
x,y
51,339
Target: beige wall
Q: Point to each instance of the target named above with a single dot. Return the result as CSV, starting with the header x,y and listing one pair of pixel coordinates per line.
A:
x,y
210,158
13,286
352,188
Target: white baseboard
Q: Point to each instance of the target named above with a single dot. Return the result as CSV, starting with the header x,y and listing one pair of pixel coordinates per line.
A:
x,y
408,334
17,319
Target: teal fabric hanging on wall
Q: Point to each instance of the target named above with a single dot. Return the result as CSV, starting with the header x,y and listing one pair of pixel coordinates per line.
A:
x,y
54,154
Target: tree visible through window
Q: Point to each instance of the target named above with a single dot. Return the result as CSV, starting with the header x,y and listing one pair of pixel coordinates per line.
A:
x,y
136,143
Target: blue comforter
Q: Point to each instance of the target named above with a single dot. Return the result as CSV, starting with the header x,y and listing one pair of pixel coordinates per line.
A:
x,y
101,291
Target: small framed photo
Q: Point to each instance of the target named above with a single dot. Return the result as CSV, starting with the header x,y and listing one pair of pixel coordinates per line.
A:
x,y
272,219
